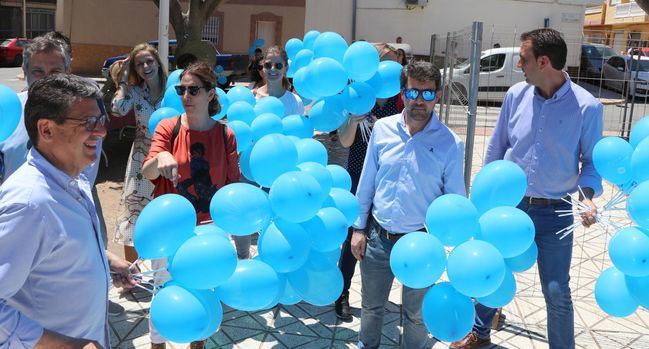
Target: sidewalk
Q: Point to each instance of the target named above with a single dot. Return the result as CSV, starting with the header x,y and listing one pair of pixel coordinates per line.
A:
x,y
307,326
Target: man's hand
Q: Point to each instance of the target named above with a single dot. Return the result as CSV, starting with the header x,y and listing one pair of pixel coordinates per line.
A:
x,y
51,339
120,273
358,244
589,218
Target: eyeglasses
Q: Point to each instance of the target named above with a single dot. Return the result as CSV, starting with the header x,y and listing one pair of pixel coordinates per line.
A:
x,y
269,65
193,90
427,94
91,122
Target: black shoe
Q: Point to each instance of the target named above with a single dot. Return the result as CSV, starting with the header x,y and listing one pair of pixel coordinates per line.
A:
x,y
343,311
115,309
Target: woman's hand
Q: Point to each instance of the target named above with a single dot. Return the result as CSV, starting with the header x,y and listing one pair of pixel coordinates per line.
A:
x,y
121,73
168,166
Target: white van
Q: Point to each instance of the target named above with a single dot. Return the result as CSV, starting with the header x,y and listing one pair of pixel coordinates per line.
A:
x,y
498,72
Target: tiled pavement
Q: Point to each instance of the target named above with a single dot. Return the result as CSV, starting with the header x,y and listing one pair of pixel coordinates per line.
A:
x,y
306,326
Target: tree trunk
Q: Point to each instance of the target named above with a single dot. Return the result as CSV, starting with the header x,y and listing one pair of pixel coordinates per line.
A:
x,y
189,25
644,4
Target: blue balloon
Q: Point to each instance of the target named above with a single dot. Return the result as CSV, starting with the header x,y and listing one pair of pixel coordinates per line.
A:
x,y
639,132
266,124
509,229
386,82
174,78
321,261
172,100
292,69
222,79
241,111
345,202
326,77
359,98
309,39
218,69
163,225
309,149
293,46
361,61
240,209
612,160
629,251
10,112
418,259
638,205
224,102
253,286
328,114
297,125
203,262
259,42
213,304
640,161
302,86
524,261
296,196
271,105
612,294
289,297
476,268
340,177
302,59
639,289
331,45
453,219
328,229
244,164
271,156
182,315
211,228
251,51
161,114
503,295
285,246
320,174
241,93
243,134
308,284
499,183
447,314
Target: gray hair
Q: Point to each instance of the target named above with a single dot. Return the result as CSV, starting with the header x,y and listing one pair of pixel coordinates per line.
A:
x,y
46,45
421,71
53,96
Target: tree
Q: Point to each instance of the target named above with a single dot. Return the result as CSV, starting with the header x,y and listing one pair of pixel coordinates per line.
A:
x,y
188,27
644,4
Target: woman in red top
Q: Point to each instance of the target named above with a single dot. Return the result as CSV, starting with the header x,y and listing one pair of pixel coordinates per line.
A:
x,y
192,155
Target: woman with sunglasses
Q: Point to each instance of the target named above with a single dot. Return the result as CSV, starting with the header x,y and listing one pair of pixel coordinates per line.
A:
x,y
350,137
141,80
192,155
273,73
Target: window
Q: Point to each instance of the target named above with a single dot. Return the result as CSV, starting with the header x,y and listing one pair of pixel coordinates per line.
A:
x,y
39,21
614,2
211,30
492,63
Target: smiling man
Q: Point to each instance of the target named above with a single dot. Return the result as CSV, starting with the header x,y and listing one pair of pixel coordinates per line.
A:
x,y
412,158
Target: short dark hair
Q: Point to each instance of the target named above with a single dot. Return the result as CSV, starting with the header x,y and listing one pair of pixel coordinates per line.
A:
x,y
548,42
45,44
53,96
207,76
421,71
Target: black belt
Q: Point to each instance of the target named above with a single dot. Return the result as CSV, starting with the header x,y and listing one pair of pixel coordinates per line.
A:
x,y
392,237
544,201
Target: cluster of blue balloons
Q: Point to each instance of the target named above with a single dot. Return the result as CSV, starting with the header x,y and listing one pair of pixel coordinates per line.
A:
x,y
624,287
492,239
342,79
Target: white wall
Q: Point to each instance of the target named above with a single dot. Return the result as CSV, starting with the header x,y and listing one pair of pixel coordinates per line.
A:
x,y
504,20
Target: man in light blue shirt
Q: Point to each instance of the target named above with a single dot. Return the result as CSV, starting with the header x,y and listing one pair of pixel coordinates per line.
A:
x,y
548,126
412,158
53,264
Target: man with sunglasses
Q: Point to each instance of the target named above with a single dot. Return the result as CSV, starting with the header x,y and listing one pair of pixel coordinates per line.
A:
x,y
54,286
412,158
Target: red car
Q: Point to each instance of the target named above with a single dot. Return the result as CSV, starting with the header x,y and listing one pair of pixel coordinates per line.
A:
x,y
11,51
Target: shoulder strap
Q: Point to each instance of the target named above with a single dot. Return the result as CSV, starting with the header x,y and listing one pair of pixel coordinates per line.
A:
x,y
175,132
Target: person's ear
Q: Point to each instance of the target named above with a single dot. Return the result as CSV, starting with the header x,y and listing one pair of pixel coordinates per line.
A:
x,y
45,130
544,62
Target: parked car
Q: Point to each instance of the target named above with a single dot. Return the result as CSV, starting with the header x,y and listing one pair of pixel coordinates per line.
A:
x,y
11,51
593,57
498,72
628,75
234,65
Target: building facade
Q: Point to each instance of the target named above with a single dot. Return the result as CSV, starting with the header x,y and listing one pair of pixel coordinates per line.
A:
x,y
39,18
620,24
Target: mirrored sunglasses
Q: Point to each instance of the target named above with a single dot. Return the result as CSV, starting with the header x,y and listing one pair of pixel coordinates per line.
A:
x,y
412,94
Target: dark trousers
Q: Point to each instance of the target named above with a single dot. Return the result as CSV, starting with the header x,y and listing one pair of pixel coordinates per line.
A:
x,y
347,262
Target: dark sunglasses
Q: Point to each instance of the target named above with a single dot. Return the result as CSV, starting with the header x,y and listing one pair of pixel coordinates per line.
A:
x,y
193,90
269,65
412,94
92,122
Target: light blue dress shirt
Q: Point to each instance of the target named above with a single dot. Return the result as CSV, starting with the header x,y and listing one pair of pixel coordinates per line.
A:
x,y
15,148
548,138
403,174
53,269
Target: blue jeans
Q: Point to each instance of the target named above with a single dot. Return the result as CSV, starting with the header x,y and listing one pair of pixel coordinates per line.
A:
x,y
554,271
376,278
